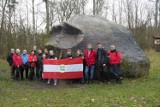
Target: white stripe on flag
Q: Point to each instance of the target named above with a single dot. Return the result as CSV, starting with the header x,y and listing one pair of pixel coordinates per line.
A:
x,y
67,68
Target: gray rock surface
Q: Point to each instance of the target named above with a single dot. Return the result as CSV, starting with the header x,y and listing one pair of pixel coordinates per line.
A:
x,y
80,30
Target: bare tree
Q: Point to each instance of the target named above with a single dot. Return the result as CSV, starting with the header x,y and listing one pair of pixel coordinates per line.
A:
x,y
94,7
114,16
67,8
4,4
98,6
156,13
47,15
33,17
120,8
33,22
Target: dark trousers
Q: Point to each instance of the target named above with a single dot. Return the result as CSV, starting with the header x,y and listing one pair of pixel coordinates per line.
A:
x,y
39,70
31,74
12,71
115,71
104,73
25,68
19,72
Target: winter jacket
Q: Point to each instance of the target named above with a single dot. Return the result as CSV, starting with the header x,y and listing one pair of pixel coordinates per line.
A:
x,y
67,56
39,60
17,60
32,59
115,57
10,59
91,58
24,58
101,57
51,57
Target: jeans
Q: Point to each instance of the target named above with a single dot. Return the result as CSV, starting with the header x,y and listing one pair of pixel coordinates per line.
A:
x,y
89,75
115,70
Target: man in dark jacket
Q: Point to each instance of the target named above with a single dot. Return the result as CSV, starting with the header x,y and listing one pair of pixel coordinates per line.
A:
x,y
52,56
10,62
102,60
39,65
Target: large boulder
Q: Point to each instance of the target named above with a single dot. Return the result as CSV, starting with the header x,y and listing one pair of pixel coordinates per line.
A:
x,y
80,30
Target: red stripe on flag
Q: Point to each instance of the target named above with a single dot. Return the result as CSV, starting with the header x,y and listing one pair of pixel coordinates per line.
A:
x,y
66,61
59,75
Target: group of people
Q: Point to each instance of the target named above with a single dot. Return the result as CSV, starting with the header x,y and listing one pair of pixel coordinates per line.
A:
x,y
107,63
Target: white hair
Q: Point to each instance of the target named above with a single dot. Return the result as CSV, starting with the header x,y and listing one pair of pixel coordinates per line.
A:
x,y
51,52
17,50
24,50
12,50
44,55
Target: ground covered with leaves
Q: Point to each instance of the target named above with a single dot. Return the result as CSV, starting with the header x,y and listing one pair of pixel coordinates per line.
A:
x,y
142,92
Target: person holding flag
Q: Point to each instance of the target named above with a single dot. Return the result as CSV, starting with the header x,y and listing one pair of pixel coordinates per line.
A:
x,y
52,56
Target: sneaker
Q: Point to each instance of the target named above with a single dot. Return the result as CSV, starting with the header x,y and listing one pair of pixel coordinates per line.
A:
x,y
55,83
48,82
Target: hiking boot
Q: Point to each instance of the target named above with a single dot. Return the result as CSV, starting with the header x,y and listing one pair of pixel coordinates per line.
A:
x,y
119,80
90,81
87,81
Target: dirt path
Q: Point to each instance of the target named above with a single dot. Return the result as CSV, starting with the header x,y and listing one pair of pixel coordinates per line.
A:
x,y
61,85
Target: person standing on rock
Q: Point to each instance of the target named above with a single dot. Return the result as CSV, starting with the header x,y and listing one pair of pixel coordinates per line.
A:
x,y
52,56
10,62
46,52
69,54
90,60
35,50
25,62
102,60
32,60
115,60
17,60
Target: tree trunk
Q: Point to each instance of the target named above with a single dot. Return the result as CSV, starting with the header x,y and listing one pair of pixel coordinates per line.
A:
x,y
94,7
33,23
3,13
47,16
156,13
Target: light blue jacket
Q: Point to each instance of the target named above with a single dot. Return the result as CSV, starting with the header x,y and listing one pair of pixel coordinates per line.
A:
x,y
24,58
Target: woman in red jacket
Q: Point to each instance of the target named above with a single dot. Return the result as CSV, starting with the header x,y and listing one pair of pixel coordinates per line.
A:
x,y
32,59
115,60
90,60
17,61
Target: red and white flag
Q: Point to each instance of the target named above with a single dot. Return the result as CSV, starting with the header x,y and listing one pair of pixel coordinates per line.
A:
x,y
63,68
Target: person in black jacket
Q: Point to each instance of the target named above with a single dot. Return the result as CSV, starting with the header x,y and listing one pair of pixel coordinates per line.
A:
x,y
52,56
39,65
102,60
80,54
69,54
46,52
10,62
